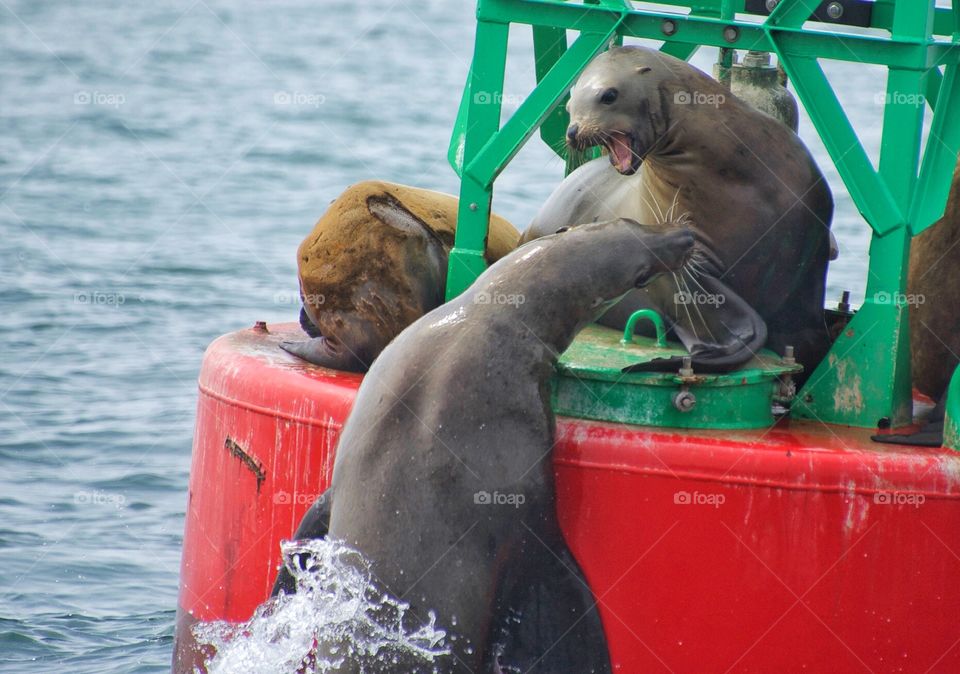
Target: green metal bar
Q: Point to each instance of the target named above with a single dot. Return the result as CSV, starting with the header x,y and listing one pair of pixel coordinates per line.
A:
x,y
951,426
480,122
549,44
698,30
940,156
791,13
866,382
868,191
502,147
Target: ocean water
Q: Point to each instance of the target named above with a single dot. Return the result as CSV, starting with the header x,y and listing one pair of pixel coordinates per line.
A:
x,y
159,164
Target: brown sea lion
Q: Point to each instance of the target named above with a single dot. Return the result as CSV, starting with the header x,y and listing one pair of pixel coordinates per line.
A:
x,y
373,264
678,142
935,276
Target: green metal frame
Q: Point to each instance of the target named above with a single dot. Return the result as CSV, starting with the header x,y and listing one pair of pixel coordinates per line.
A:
x,y
866,376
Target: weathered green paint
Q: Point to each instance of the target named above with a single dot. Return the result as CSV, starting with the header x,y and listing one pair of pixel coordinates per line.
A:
x,y
951,426
590,384
866,376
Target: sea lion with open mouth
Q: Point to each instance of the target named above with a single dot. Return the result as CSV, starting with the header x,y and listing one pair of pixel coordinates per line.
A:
x,y
443,477
679,143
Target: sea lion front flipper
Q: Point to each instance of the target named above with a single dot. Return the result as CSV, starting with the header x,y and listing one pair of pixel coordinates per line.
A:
x,y
326,352
315,524
930,433
717,326
550,622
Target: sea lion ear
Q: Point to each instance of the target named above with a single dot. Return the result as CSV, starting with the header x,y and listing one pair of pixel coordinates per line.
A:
x,y
643,69
562,230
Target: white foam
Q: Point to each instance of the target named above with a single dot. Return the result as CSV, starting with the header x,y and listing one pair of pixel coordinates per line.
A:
x,y
336,604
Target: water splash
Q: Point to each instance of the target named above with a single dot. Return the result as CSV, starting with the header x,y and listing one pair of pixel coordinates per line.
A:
x,y
337,606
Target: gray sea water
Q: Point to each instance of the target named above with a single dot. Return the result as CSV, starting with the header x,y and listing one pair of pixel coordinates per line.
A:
x,y
159,163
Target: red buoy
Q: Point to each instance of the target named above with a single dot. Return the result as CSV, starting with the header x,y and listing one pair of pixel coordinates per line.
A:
x,y
801,547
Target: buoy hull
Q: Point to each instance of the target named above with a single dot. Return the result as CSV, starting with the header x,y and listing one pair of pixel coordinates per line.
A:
x,y
800,547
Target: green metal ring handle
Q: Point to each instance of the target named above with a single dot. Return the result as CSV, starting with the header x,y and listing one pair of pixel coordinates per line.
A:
x,y
652,316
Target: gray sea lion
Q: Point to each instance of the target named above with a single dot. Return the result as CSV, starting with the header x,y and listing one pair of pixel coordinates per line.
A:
x,y
373,264
679,143
443,476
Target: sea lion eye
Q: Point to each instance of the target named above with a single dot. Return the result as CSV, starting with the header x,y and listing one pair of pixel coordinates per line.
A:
x,y
609,96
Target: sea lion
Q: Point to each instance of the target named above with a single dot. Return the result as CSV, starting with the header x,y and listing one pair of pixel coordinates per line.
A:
x,y
443,477
678,142
374,263
934,276
933,281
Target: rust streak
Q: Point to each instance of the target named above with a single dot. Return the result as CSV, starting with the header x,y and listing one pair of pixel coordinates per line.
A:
x,y
250,462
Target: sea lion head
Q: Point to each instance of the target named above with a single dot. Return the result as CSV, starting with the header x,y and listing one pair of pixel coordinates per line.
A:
x,y
623,254
621,102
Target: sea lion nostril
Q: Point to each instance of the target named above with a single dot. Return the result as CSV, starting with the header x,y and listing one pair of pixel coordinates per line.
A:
x,y
572,132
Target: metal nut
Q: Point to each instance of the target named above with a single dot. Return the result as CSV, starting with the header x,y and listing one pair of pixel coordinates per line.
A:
x,y
834,10
684,401
772,5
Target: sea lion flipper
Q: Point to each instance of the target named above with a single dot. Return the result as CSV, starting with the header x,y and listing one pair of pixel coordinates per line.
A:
x,y
930,434
551,623
315,524
326,352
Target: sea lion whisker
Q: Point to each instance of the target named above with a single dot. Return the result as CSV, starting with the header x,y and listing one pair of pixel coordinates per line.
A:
x,y
680,291
699,313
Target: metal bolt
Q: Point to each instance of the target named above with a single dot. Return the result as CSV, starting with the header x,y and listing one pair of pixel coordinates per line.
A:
x,y
731,34
686,370
684,401
473,206
668,27
834,10
788,355
844,304
772,5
